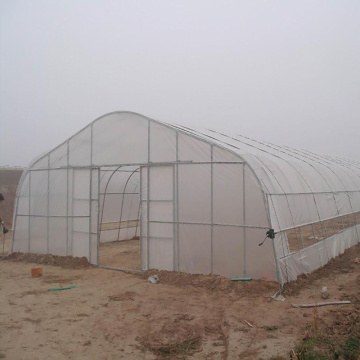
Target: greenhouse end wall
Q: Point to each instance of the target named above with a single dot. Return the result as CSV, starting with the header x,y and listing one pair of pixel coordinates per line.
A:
x,y
205,212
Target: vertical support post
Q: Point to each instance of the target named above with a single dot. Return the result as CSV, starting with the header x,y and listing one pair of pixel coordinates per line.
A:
x,y
98,220
48,207
280,280
352,209
212,210
173,198
15,216
140,218
67,198
177,204
148,203
244,221
72,212
90,191
90,212
29,210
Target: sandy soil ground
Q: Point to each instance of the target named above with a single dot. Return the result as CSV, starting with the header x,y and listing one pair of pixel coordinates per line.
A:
x,y
114,315
120,254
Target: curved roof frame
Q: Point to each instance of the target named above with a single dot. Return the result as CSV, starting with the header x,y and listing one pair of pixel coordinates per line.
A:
x,y
271,151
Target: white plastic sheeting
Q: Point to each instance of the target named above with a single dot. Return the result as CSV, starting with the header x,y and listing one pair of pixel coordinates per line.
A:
x,y
205,199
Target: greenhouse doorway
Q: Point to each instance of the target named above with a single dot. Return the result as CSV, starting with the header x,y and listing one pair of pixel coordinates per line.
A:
x,y
119,218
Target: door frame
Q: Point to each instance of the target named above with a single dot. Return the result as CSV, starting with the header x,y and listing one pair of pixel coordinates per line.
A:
x,y
147,221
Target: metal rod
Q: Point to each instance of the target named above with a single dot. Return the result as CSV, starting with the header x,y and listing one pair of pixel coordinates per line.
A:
x,y
161,163
141,218
55,216
315,193
128,193
48,208
120,170
29,224
138,219
122,202
177,204
90,212
173,210
103,204
131,204
148,203
212,210
98,219
159,200
244,222
67,198
209,224
72,211
171,127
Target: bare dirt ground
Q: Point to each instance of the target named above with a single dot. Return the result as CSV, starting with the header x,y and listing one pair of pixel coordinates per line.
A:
x,y
114,315
121,254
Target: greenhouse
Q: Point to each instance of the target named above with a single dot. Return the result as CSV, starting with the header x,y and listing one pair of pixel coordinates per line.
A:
x,y
196,201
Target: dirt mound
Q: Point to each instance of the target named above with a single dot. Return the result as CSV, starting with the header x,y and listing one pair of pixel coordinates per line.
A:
x,y
9,179
68,262
343,263
213,282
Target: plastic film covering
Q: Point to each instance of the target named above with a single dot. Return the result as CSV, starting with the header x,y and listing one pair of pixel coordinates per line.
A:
x,y
80,148
194,193
162,143
58,200
195,249
59,156
228,197
212,198
123,132
160,206
284,172
228,243
57,236
317,255
38,191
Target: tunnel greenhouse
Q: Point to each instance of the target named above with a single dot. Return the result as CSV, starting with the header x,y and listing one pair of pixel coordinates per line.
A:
x,y
195,201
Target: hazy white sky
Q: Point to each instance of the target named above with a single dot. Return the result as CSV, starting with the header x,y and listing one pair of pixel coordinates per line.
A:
x,y
283,71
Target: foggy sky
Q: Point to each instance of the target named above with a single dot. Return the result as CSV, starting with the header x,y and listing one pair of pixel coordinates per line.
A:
x,y
283,71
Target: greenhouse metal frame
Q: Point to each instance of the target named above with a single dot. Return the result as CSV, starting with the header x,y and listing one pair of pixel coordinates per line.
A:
x,y
200,201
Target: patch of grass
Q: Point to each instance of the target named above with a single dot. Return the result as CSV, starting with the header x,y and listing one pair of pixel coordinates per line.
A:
x,y
351,349
321,347
318,347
